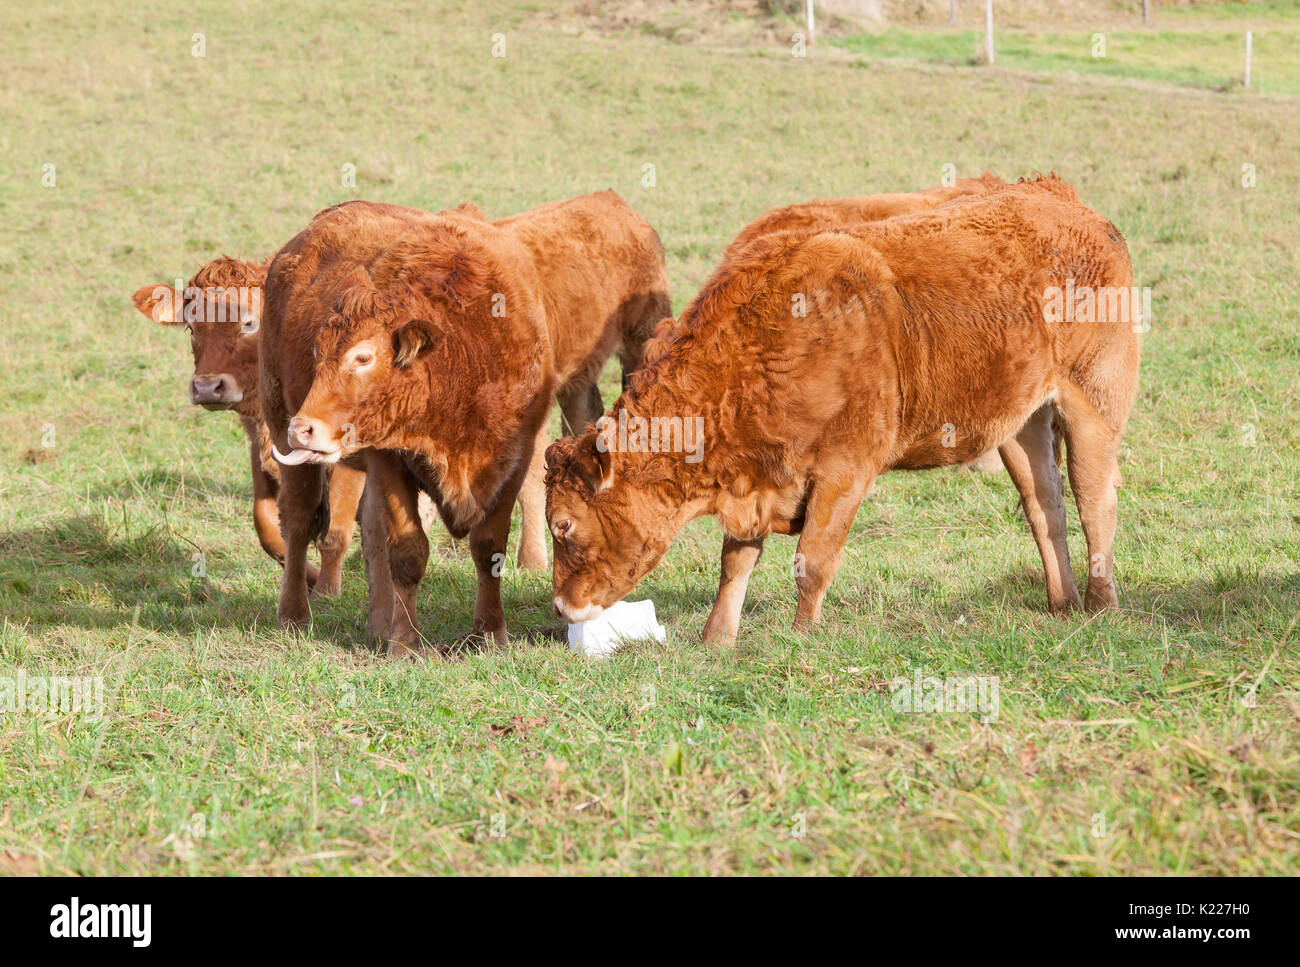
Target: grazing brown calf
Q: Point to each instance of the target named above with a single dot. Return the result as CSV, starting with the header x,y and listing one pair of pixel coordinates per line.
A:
x,y
924,340
456,313
221,307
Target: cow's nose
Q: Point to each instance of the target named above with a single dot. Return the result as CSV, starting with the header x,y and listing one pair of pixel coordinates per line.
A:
x,y
215,388
567,611
307,434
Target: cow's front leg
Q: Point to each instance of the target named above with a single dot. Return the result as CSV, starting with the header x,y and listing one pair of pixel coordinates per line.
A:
x,y
266,516
487,546
580,405
396,495
738,561
832,505
301,492
533,531
379,576
346,485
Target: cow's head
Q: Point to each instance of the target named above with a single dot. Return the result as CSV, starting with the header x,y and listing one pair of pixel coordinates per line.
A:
x,y
611,522
365,356
221,307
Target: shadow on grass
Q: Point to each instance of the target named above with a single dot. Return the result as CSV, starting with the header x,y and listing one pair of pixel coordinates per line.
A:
x,y
89,572
162,482
1237,593
82,571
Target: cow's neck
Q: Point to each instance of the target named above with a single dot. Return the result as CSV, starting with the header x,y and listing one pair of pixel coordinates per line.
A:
x,y
730,476
459,451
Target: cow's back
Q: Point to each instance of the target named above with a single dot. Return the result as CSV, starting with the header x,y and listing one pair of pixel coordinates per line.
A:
x,y
921,339
600,264
835,213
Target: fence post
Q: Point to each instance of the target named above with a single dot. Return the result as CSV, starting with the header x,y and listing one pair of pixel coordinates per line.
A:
x,y
952,13
811,25
988,30
1248,45
1146,12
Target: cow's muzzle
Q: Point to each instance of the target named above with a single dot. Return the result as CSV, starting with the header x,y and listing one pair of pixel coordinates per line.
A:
x,y
215,391
573,615
310,441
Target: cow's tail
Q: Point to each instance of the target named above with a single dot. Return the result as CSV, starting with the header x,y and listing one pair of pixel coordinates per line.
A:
x,y
320,522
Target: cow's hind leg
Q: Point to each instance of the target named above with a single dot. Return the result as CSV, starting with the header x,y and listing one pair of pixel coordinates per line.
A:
x,y
532,506
738,561
301,491
580,405
827,519
1091,445
396,496
1030,459
346,485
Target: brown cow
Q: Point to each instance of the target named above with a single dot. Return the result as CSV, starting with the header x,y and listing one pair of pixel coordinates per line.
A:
x,y
927,340
221,307
426,342
223,335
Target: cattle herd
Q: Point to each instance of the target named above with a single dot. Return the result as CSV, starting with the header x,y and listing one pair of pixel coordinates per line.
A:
x,y
385,352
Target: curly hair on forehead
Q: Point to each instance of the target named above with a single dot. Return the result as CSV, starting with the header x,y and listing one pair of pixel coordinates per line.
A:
x,y
358,300
225,271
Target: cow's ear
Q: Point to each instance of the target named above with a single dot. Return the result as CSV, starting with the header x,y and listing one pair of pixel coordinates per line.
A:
x,y
412,340
596,461
158,303
558,452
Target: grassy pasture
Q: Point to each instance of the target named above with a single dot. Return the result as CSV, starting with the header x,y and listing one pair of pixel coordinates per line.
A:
x,y
1161,738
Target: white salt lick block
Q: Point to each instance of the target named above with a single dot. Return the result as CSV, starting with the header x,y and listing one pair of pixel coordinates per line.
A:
x,y
624,621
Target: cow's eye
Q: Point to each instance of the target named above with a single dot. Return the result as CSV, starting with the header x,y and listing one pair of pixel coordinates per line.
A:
x,y
563,529
248,328
362,359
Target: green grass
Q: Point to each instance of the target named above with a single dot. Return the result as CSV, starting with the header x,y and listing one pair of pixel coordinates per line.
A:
x,y
1208,56
1126,743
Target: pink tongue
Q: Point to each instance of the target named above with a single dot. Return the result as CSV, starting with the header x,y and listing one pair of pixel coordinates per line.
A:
x,y
293,457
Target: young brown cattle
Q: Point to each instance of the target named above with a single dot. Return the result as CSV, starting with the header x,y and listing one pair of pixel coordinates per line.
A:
x,y
446,308
418,339
923,341
221,308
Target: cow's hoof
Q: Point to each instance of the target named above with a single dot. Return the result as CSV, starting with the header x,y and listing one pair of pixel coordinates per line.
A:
x,y
1065,605
404,651
476,642
293,621
327,586
717,637
1100,598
